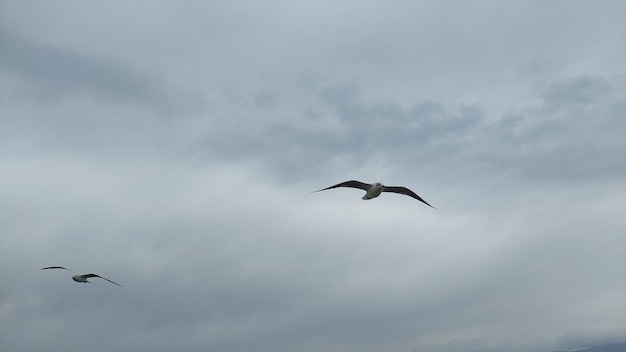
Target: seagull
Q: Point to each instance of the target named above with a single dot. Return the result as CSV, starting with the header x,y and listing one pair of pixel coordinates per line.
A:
x,y
81,278
373,190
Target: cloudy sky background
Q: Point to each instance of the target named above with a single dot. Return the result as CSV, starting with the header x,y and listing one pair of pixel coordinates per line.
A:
x,y
172,147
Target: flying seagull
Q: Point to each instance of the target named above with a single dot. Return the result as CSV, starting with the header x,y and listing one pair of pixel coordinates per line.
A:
x,y
375,189
81,278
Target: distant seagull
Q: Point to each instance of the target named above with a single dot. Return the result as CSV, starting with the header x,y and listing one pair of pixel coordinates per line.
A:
x,y
81,278
375,189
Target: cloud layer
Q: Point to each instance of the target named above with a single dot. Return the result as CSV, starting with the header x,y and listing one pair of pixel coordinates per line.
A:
x,y
173,147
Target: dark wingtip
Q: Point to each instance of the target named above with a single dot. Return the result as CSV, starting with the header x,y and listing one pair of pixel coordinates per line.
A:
x,y
425,202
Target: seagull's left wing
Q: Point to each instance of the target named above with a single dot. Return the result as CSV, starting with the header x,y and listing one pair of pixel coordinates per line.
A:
x,y
102,277
406,192
350,184
55,267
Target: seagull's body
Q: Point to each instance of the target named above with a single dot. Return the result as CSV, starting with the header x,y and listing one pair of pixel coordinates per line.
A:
x,y
81,278
373,190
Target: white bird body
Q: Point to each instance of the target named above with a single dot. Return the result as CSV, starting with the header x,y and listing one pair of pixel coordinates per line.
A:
x,y
373,190
81,278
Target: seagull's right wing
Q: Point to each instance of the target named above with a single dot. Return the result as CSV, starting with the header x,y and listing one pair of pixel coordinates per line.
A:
x,y
350,184
95,275
406,192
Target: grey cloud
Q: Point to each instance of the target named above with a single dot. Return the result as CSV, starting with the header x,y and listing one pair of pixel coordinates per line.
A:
x,y
577,90
52,73
545,140
264,100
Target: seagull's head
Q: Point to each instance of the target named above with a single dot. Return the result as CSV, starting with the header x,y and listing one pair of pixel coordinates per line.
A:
x,y
378,184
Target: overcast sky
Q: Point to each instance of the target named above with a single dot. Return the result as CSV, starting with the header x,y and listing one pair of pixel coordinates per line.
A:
x,y
172,146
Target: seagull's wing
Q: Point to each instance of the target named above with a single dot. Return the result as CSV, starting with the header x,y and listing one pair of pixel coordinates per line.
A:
x,y
351,184
94,275
405,191
56,267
